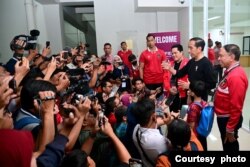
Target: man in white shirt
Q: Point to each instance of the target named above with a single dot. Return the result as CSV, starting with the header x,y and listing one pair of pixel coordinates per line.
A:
x,y
147,138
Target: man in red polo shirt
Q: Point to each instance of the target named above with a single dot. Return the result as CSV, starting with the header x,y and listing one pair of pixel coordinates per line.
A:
x,y
108,57
124,53
150,64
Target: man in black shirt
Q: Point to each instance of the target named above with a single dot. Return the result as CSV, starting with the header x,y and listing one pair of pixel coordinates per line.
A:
x,y
178,94
198,68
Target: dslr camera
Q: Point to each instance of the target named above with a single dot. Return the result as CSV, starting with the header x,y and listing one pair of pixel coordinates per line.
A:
x,y
30,40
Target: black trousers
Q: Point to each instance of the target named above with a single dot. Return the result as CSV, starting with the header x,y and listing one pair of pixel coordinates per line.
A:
x,y
222,123
177,103
203,141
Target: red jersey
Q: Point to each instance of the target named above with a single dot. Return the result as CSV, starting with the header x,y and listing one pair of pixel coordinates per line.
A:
x,y
124,56
194,112
230,95
152,72
211,55
182,92
112,119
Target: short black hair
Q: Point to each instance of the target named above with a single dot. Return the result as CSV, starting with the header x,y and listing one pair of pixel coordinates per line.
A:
x,y
198,87
178,46
150,35
107,44
233,49
109,106
217,43
31,89
120,112
143,110
137,79
76,158
123,42
199,42
179,133
131,57
104,83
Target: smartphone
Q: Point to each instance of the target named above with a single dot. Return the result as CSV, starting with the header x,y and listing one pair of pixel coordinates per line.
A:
x,y
133,162
183,112
47,44
170,100
101,119
12,85
159,113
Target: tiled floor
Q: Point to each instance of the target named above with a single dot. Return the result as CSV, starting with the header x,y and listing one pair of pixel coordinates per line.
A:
x,y
214,141
246,108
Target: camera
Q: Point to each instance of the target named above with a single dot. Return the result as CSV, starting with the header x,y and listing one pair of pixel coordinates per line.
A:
x,y
78,82
182,1
77,97
31,41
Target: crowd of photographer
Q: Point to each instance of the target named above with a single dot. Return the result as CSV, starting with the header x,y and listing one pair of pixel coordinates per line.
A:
x,y
78,109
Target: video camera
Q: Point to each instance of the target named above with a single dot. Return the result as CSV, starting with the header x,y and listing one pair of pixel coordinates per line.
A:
x,y
78,84
31,41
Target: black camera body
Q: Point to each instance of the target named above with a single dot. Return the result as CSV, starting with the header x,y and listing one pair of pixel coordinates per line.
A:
x,y
77,97
78,84
31,41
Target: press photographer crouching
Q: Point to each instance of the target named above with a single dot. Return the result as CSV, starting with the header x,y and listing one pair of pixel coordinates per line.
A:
x,y
18,45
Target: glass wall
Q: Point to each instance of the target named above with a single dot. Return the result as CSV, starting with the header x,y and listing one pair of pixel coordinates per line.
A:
x,y
197,18
239,29
216,16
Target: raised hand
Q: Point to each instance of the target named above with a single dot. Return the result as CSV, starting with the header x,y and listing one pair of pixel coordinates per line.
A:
x,y
45,102
46,51
84,105
5,93
21,69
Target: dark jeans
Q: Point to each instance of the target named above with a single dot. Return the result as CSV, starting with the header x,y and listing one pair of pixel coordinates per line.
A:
x,y
222,123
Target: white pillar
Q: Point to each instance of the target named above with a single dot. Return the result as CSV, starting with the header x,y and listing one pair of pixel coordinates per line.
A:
x,y
29,8
205,25
191,16
227,21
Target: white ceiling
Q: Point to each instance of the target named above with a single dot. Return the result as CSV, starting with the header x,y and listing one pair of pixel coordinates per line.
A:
x,y
240,9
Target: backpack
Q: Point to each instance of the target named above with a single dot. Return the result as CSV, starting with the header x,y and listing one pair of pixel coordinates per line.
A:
x,y
206,120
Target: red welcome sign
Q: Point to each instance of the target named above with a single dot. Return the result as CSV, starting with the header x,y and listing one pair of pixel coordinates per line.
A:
x,y
165,40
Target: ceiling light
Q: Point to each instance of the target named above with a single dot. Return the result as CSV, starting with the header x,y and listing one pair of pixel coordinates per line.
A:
x,y
213,18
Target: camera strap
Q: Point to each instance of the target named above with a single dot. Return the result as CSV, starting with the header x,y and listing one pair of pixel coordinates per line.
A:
x,y
144,153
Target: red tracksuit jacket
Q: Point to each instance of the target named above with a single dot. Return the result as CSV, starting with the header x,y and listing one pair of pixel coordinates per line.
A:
x,y
230,96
